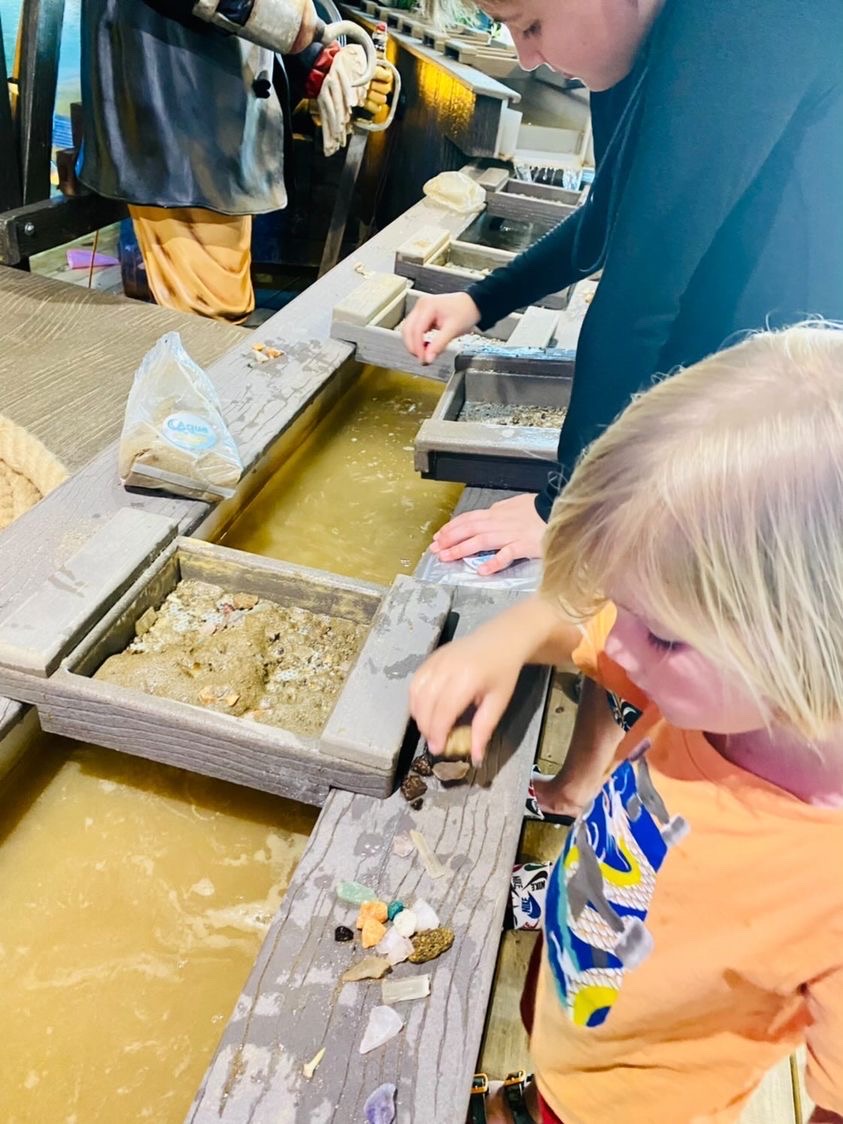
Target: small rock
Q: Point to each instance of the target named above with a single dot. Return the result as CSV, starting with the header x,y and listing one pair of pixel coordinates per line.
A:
x,y
372,932
393,909
429,945
273,352
245,600
384,1023
380,1105
426,916
231,698
369,968
412,788
417,805
422,765
376,909
355,893
451,770
207,628
400,991
145,621
208,696
343,933
459,743
405,923
394,947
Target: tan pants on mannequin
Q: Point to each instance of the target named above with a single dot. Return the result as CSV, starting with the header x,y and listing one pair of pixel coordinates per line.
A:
x,y
197,261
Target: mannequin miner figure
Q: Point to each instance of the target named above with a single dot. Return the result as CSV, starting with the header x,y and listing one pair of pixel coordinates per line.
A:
x,y
183,122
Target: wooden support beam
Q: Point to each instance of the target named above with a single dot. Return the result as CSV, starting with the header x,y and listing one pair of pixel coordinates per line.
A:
x,y
36,71
10,181
536,328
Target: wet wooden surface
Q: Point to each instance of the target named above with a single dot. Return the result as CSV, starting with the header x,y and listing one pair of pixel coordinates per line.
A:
x,y
294,1005
259,401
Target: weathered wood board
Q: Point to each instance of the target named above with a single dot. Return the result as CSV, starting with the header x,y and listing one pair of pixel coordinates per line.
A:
x,y
453,266
531,202
490,455
55,616
293,1005
259,401
380,342
357,748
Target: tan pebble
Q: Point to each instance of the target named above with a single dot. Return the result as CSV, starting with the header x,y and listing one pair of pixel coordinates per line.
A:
x,y
245,600
369,968
258,346
210,695
458,744
231,698
145,622
207,628
450,770
273,352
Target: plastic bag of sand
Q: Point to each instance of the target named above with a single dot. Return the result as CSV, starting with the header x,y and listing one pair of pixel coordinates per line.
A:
x,y
174,438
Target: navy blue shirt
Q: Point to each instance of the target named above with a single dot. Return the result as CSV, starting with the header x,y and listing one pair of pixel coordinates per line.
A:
x,y
717,207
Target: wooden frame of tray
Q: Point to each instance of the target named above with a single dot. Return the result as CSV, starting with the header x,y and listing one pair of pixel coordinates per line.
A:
x,y
359,746
370,317
438,263
509,198
495,456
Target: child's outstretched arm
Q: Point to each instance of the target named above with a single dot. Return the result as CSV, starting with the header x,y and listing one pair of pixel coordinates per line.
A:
x,y
481,670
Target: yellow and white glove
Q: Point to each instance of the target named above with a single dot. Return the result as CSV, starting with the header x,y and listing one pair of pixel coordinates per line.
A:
x,y
338,96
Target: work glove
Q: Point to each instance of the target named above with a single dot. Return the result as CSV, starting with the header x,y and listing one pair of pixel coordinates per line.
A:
x,y
378,92
338,96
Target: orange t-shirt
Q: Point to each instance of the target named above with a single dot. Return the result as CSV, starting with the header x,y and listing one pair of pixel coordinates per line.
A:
x,y
693,934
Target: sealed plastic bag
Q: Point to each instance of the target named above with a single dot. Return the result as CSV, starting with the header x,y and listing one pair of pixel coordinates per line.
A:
x,y
174,438
456,191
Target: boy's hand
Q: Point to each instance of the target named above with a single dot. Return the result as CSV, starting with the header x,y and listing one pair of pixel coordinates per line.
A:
x,y
450,314
512,527
479,670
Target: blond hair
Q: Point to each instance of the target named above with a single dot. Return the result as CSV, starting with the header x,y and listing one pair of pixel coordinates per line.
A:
x,y
717,497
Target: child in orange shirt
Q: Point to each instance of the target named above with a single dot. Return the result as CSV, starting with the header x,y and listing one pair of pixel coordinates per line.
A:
x,y
693,930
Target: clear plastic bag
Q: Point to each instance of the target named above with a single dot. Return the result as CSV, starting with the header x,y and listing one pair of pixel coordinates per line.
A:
x,y
456,191
524,575
174,438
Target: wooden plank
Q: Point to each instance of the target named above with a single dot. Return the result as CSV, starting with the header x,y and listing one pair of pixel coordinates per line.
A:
x,y
358,750
258,401
494,179
479,257
536,328
48,623
369,299
41,225
384,348
523,208
292,1004
406,629
423,246
547,191
478,439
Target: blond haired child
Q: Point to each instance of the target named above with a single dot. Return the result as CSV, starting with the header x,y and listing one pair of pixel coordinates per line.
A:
x,y
693,931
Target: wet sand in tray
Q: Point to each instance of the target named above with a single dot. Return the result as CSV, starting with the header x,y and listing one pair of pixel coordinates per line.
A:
x,y
495,413
241,655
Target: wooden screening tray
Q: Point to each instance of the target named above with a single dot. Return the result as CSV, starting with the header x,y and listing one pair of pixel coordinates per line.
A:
x,y
508,198
359,745
370,317
486,455
436,262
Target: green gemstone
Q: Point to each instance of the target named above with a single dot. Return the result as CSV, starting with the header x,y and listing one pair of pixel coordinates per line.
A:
x,y
393,909
355,893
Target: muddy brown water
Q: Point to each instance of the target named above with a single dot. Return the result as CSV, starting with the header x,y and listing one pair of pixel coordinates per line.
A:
x,y
136,896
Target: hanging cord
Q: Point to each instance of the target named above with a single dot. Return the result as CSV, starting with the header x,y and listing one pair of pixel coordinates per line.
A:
x,y
93,257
